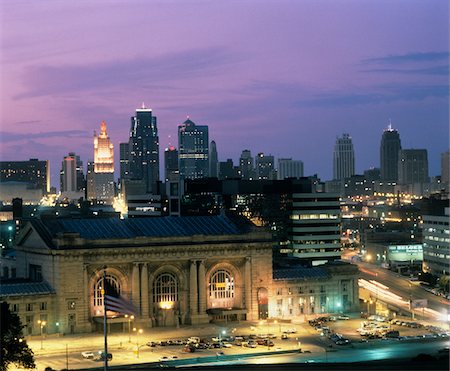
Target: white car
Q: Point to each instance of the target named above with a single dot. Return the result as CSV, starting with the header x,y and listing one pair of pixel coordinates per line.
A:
x,y
169,358
88,355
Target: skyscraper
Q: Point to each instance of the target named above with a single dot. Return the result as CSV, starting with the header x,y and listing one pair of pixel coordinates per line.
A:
x,y
193,150
103,180
265,166
34,171
389,148
124,161
288,168
143,149
171,163
246,165
213,160
412,166
71,174
343,158
445,168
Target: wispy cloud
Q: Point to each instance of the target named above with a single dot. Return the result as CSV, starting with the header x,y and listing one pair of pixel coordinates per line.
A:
x,y
14,137
436,70
138,72
409,57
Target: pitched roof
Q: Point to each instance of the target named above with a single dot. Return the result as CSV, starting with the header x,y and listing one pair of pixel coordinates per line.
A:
x,y
25,288
110,228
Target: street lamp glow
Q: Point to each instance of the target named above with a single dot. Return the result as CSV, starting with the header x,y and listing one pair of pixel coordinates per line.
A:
x,y
42,324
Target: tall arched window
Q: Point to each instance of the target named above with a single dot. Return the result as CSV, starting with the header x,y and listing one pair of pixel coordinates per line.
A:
x,y
98,296
221,285
165,289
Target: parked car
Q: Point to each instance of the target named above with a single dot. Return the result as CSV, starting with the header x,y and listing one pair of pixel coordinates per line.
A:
x,y
88,355
284,336
343,317
250,344
392,334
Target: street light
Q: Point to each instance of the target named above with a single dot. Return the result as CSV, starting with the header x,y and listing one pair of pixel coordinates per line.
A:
x,y
138,331
42,324
223,332
130,318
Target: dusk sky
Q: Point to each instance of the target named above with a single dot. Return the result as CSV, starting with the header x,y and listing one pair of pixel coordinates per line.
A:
x,y
280,77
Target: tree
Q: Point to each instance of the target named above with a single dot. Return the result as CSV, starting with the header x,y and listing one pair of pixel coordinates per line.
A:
x,y
14,349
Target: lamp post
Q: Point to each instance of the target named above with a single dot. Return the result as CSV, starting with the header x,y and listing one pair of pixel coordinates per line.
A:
x,y
223,332
130,318
41,325
138,331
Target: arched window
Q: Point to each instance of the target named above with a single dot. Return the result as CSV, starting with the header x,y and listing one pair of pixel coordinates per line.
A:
x,y
221,285
98,296
165,289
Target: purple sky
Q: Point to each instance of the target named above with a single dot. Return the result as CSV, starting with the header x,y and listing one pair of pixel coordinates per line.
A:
x,y
280,77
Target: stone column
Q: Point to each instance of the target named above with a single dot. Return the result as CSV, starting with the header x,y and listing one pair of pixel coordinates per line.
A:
x,y
201,287
135,289
193,298
86,289
248,285
144,290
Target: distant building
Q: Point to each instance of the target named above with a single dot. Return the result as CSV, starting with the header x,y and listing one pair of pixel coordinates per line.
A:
x,y
34,172
171,170
445,169
213,160
265,167
343,158
71,174
288,168
389,151
436,243
227,170
413,166
124,161
143,148
246,165
193,150
103,175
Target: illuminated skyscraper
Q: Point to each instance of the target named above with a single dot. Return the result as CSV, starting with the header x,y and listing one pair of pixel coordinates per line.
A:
x,y
265,168
193,150
143,149
171,163
246,165
103,166
343,158
390,146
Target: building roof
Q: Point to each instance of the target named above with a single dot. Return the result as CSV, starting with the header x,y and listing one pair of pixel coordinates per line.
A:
x,y
95,229
300,273
25,288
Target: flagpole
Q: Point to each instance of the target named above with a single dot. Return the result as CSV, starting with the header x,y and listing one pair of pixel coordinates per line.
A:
x,y
105,323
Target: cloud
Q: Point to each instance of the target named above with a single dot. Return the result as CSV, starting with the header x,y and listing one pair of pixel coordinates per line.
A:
x,y
14,137
437,70
138,72
407,58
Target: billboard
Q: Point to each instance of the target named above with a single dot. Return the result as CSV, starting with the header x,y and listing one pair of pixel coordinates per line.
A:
x,y
404,253
419,303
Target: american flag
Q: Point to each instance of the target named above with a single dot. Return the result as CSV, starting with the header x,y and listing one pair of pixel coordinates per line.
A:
x,y
114,302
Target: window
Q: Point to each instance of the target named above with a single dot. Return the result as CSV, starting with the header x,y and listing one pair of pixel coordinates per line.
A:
x,y
71,305
222,285
98,295
165,289
35,272
29,307
15,308
43,305
279,302
279,291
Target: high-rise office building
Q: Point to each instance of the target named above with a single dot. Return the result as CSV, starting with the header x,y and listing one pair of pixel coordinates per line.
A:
x,y
103,180
71,174
171,171
193,150
389,150
343,158
213,160
413,166
289,168
124,161
34,172
445,168
246,165
143,149
265,168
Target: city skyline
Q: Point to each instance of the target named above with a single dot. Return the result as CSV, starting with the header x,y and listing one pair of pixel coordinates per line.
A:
x,y
284,80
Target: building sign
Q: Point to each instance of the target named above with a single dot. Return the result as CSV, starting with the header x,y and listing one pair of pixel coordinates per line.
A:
x,y
405,252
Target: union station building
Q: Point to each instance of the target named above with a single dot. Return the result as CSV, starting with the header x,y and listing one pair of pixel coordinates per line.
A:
x,y
175,270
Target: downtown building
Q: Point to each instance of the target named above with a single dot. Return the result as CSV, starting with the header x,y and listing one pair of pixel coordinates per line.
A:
x,y
389,155
72,182
288,168
100,174
193,150
247,165
413,171
343,158
265,167
175,271
29,180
